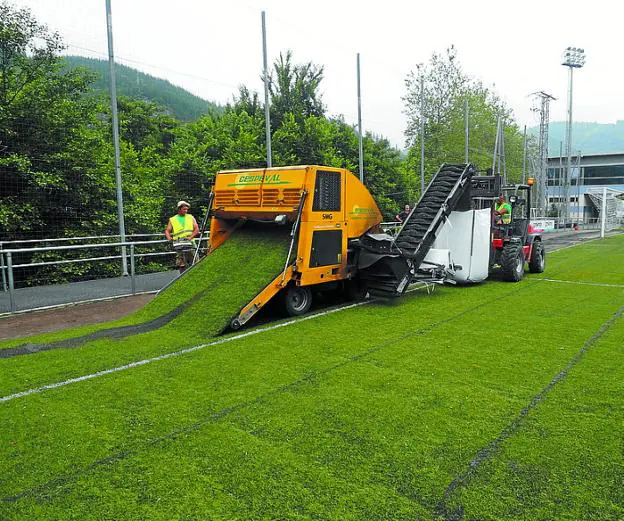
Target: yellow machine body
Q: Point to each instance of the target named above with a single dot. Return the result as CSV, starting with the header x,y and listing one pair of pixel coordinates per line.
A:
x,y
336,207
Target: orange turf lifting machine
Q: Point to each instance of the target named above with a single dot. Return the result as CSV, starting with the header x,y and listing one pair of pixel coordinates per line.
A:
x,y
336,241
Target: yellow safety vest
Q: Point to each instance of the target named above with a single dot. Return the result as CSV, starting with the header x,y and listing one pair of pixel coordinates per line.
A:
x,y
182,226
506,217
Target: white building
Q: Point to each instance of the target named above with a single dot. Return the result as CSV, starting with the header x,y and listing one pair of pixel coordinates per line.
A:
x,y
595,172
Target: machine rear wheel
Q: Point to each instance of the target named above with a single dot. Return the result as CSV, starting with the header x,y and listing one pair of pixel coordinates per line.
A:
x,y
538,258
297,300
512,263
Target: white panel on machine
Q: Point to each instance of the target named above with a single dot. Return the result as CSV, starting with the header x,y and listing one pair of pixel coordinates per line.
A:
x,y
465,238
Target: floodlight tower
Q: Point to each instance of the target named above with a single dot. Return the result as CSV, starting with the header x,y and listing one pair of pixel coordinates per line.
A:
x,y
573,58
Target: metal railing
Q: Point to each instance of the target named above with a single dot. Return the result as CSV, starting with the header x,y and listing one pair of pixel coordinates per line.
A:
x,y
7,267
70,239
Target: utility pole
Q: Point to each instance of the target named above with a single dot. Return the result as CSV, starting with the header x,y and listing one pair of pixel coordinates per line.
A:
x,y
359,96
524,157
466,130
267,112
503,157
422,129
115,124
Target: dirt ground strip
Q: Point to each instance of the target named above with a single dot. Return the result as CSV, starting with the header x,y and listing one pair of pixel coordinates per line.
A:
x,y
46,321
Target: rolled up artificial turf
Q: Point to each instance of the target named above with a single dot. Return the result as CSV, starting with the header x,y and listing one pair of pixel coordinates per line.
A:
x,y
200,303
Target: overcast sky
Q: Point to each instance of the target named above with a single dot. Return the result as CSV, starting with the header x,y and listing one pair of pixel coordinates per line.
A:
x,y
211,47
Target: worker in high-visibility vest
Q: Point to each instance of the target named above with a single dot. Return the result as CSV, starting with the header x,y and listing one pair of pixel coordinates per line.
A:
x,y
502,211
181,230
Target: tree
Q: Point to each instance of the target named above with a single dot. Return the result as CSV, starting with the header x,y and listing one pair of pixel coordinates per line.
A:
x,y
43,116
447,91
294,90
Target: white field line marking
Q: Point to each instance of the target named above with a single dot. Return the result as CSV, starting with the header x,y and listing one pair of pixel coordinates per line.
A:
x,y
202,346
581,283
571,245
176,353
184,351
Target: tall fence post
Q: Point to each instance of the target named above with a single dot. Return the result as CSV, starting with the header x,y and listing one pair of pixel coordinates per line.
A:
x,y
2,267
11,285
132,269
603,219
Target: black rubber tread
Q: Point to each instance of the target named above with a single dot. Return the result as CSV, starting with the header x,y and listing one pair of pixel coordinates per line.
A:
x,y
537,265
433,203
412,236
413,232
419,221
444,183
430,207
411,240
430,202
509,262
439,197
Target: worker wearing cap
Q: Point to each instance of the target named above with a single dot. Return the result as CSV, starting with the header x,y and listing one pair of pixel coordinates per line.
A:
x,y
182,229
502,210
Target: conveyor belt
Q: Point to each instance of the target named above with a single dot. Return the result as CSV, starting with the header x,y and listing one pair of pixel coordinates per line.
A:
x,y
388,264
441,197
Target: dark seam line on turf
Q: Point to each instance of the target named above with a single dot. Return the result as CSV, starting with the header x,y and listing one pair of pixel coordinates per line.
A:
x,y
213,418
487,452
117,333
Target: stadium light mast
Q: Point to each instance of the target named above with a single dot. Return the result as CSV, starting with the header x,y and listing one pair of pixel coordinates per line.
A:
x,y
573,58
115,125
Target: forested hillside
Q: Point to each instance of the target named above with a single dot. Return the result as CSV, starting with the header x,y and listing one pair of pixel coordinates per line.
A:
x,y
589,138
135,84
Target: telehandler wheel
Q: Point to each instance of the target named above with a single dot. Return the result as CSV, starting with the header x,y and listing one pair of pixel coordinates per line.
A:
x,y
537,263
512,262
297,300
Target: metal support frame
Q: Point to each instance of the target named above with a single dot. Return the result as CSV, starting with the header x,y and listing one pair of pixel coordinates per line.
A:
x,y
203,228
466,130
603,217
581,209
422,132
9,259
293,232
132,270
267,111
115,125
541,181
4,280
360,139
8,267
496,146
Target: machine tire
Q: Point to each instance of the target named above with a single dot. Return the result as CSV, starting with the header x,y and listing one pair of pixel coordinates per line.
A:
x,y
512,263
297,300
235,324
537,263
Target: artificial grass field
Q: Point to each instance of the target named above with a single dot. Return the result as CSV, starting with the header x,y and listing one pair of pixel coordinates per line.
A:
x,y
375,412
